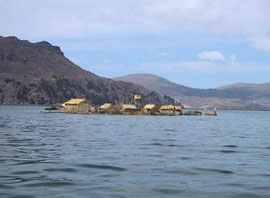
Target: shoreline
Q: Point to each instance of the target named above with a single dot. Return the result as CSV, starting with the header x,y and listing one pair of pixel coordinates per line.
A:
x,y
190,109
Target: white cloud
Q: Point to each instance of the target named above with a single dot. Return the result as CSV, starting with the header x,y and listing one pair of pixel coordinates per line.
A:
x,y
211,55
33,19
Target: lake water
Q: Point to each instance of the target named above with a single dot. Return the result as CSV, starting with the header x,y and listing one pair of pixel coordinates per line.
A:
x,y
65,155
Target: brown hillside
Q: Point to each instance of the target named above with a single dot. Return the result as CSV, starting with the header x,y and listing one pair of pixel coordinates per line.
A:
x,y
39,73
236,96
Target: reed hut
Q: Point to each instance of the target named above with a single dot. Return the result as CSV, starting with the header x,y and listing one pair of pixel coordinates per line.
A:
x,y
93,109
150,109
76,106
167,110
129,109
178,110
170,110
105,107
137,97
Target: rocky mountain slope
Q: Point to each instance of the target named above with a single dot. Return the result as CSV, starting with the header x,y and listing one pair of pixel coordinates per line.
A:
x,y
236,96
39,73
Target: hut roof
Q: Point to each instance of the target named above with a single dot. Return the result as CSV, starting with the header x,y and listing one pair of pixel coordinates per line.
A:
x,y
75,102
149,106
137,97
186,106
106,106
129,106
178,108
167,107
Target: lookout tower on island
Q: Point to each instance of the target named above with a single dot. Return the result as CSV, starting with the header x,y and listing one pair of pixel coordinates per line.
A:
x,y
137,100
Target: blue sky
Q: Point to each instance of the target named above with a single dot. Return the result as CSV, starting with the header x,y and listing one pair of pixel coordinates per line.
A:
x,y
198,43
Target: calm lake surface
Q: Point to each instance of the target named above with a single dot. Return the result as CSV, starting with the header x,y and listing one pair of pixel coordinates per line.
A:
x,y
64,155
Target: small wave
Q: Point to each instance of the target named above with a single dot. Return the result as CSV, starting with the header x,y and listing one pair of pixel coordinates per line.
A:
x,y
2,186
22,196
170,145
24,172
169,190
215,170
65,170
108,175
182,172
175,145
260,175
157,144
30,162
154,155
115,168
12,179
250,195
228,151
19,140
170,130
235,185
265,187
50,184
230,146
185,158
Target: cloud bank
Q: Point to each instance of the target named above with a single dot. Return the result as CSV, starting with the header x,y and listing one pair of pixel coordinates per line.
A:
x,y
101,18
117,37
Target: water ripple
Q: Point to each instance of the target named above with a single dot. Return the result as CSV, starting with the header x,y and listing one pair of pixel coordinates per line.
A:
x,y
67,170
108,167
24,172
68,155
215,170
53,184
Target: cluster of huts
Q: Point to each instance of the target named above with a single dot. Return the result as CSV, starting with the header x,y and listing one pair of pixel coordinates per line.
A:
x,y
84,106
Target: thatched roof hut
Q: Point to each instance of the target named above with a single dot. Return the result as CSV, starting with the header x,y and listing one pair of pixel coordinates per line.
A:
x,y
150,109
76,106
129,108
170,110
150,106
178,108
106,106
167,107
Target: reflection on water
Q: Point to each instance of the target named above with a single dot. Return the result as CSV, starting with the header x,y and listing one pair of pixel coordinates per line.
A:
x,y
62,155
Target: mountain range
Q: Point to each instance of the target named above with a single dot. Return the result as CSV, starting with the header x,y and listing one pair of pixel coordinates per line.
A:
x,y
39,73
236,96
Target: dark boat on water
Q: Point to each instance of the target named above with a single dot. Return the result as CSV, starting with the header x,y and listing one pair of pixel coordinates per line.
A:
x,y
52,109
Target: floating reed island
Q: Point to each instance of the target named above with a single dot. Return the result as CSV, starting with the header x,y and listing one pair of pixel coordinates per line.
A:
x,y
83,106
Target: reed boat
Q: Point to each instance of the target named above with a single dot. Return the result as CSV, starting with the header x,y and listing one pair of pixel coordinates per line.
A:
x,y
210,113
52,109
192,113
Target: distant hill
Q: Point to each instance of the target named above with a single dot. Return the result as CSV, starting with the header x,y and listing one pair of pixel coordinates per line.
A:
x,y
235,96
39,73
